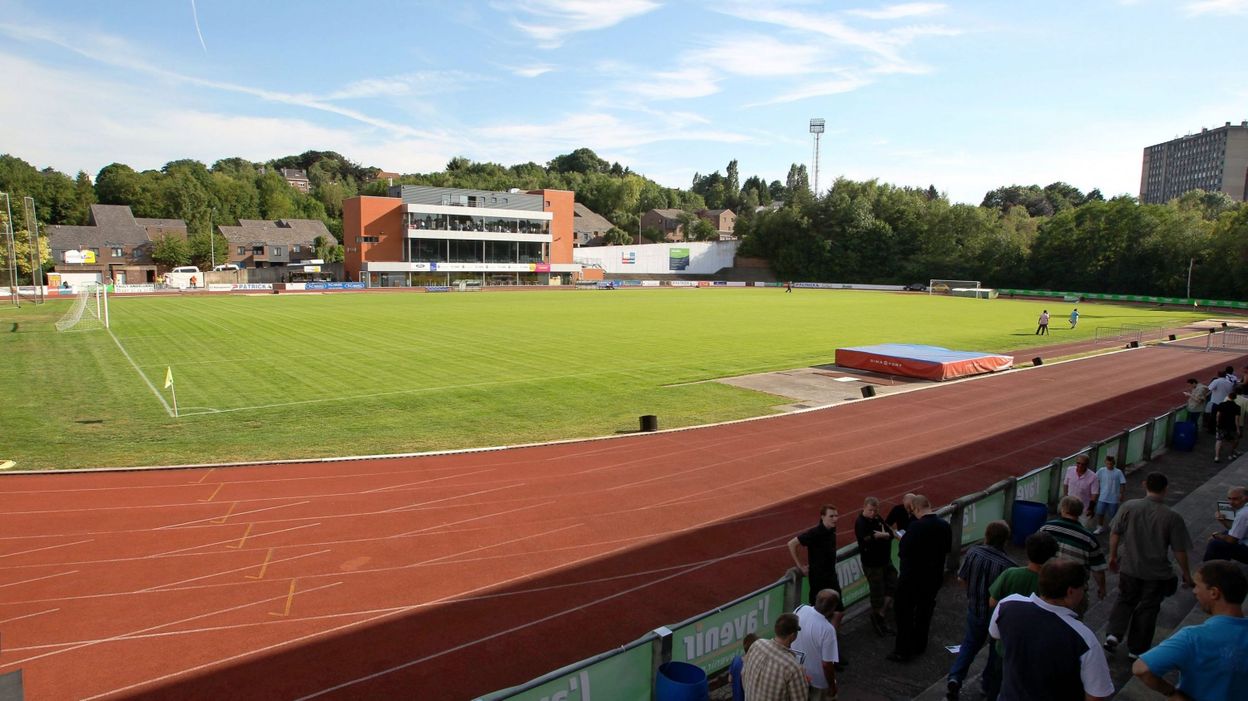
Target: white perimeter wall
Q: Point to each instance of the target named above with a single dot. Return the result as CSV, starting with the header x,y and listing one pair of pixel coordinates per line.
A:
x,y
652,258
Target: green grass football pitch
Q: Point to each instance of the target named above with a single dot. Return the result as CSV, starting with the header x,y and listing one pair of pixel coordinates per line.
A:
x,y
300,376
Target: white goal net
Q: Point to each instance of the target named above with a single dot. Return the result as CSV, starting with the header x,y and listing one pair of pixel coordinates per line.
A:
x,y
90,310
945,287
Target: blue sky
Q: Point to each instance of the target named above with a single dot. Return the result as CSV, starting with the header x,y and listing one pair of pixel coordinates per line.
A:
x,y
966,96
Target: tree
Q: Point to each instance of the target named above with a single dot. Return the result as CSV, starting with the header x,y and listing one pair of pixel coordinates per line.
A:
x,y
171,251
617,237
207,250
582,160
327,249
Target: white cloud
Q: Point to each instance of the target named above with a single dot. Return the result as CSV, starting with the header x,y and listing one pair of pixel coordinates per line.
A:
x,y
817,88
551,21
760,55
1217,7
910,9
532,71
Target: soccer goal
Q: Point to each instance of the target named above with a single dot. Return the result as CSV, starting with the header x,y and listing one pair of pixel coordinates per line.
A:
x,y
945,287
90,310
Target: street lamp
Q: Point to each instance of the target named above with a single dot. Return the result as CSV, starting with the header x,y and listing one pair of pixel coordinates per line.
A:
x,y
212,240
639,228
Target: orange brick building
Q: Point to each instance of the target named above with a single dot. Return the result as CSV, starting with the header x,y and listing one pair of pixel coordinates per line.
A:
x,y
421,236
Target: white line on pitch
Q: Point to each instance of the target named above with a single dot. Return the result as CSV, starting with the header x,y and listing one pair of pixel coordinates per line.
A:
x,y
233,516
50,547
223,542
168,409
29,615
250,566
36,579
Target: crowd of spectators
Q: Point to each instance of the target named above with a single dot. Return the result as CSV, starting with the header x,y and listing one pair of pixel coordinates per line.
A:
x,y
1029,616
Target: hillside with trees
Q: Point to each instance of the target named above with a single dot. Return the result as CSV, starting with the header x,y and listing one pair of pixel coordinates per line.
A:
x,y
1053,237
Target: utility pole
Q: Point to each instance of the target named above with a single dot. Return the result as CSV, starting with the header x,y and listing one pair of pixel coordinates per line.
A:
x,y
212,240
1191,262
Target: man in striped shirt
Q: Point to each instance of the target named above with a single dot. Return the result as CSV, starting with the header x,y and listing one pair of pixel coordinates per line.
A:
x,y
981,567
1074,542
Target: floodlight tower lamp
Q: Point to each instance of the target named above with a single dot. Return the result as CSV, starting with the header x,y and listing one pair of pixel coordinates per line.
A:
x,y
817,126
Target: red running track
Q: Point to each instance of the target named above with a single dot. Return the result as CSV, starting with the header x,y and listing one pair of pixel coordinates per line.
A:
x,y
445,577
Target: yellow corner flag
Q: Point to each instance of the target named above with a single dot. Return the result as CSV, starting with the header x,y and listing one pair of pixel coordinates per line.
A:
x,y
168,377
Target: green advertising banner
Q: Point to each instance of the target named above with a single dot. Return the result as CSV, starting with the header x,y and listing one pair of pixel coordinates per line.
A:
x,y
1034,487
1135,446
677,258
977,515
622,677
711,642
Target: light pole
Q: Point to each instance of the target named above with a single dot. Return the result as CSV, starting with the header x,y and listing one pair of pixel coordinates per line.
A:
x,y
639,228
1191,262
212,240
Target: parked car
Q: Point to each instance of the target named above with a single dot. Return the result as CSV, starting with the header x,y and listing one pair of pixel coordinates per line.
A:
x,y
225,266
916,287
186,269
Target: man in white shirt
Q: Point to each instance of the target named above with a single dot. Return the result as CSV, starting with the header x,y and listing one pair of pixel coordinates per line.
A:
x,y
1080,482
1219,390
816,641
1232,545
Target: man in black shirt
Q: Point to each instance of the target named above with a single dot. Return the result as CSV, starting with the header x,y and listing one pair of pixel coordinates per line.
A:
x,y
875,545
922,552
820,543
1227,420
900,516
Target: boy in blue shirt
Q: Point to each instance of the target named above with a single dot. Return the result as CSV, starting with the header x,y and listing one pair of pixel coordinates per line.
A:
x,y
1107,493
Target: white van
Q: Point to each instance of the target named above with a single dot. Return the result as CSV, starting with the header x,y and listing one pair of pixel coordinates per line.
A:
x,y
225,267
184,276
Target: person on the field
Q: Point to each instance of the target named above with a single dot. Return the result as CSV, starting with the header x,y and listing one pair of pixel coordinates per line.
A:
x,y
1043,328
1074,317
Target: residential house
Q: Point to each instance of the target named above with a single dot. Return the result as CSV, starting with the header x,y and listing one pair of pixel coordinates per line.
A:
x,y
666,221
588,227
114,244
298,179
258,243
724,221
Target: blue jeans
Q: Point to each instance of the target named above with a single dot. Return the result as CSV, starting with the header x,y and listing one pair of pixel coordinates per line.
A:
x,y
976,636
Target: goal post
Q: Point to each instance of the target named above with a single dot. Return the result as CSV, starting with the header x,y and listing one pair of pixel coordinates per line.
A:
x,y
943,287
90,310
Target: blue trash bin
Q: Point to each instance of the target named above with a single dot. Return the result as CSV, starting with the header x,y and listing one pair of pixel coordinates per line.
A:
x,y
681,681
1027,518
1184,437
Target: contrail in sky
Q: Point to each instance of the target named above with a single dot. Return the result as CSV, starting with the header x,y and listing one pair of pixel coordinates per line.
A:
x,y
195,15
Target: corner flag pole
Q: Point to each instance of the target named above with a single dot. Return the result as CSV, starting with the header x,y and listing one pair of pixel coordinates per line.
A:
x,y
169,386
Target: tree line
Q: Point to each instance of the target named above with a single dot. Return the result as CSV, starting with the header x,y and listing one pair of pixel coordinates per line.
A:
x,y
1051,237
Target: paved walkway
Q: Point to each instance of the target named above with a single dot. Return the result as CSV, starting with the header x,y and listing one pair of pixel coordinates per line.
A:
x,y
1195,484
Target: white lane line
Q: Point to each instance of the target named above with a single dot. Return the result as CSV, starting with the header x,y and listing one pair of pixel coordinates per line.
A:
x,y
159,396
489,546
37,579
422,504
220,542
474,518
50,547
250,566
79,644
435,479
233,515
29,615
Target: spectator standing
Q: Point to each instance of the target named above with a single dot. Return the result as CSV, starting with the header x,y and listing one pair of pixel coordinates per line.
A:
x,y
981,567
770,670
1219,389
1211,658
1108,493
738,662
1074,542
820,543
1042,329
1049,654
1227,420
900,516
817,644
1232,544
1080,482
875,550
1041,547
922,552
1140,537
1230,375
1197,398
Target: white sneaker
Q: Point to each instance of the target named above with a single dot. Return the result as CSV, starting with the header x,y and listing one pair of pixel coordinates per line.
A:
x,y
1099,530
1110,643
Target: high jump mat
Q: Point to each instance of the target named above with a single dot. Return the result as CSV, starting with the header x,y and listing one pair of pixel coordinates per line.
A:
x,y
925,362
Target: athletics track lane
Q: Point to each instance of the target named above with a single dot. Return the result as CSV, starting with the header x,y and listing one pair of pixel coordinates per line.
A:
x,y
423,578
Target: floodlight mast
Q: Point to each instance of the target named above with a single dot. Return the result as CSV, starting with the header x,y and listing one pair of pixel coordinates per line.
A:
x,y
36,260
816,128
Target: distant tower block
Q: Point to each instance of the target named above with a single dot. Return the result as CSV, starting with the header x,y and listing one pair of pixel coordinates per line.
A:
x,y
816,128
